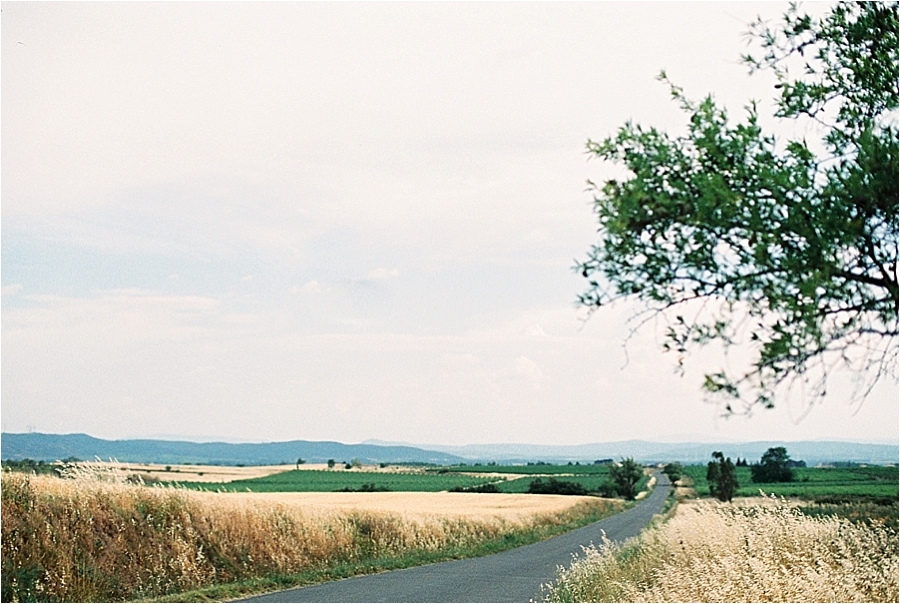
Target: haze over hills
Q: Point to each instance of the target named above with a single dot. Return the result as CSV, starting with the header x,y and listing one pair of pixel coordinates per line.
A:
x,y
813,452
50,447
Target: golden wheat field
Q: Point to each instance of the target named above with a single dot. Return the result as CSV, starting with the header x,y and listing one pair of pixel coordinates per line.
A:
x,y
86,539
193,473
755,550
472,506
151,472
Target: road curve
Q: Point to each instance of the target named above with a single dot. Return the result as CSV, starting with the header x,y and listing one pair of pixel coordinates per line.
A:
x,y
512,576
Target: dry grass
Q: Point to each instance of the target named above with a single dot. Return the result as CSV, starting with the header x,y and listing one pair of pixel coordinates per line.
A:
x,y
150,472
94,540
514,508
749,552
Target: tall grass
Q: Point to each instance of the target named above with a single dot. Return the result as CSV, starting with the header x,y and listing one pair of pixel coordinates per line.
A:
x,y
87,540
764,552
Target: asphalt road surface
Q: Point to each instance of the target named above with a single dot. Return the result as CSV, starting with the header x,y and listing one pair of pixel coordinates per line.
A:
x,y
512,576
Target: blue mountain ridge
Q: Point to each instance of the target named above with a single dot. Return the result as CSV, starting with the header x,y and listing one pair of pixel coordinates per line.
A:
x,y
51,447
812,452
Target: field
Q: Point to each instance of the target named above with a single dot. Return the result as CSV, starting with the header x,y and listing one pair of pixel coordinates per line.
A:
x,y
150,472
814,483
421,505
757,550
353,480
539,468
832,535
507,479
234,531
84,539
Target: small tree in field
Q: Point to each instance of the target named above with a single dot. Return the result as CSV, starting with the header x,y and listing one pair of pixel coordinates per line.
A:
x,y
626,476
673,471
722,477
774,466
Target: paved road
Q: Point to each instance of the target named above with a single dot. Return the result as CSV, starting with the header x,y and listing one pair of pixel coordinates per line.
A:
x,y
512,576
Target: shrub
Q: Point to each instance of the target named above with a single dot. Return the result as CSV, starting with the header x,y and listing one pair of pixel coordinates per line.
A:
x,y
555,487
480,488
673,471
774,466
722,477
626,475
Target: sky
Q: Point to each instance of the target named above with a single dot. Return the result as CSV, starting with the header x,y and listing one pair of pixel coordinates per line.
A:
x,y
349,221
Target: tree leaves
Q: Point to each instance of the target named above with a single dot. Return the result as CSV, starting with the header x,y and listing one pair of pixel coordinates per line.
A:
x,y
723,216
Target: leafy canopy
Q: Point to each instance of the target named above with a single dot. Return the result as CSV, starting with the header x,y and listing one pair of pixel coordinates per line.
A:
x,y
773,466
722,477
625,476
736,237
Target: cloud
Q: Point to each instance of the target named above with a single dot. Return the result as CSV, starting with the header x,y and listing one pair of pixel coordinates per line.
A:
x,y
382,274
11,289
310,287
528,370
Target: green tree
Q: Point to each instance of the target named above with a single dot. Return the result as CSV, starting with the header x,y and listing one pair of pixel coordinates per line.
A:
x,y
625,476
774,466
722,477
673,470
330,464
736,237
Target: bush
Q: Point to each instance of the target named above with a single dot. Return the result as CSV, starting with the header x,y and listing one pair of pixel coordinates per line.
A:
x,y
481,488
673,471
722,477
626,475
608,489
774,466
364,488
555,487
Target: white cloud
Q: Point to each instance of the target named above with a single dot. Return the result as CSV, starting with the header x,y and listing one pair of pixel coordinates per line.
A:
x,y
310,287
11,289
382,274
529,371
240,149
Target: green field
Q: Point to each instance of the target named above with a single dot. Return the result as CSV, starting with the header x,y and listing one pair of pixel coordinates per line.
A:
x,y
550,469
337,480
433,480
520,485
813,483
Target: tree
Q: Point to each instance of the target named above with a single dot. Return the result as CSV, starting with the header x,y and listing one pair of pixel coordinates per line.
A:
x,y
774,466
625,476
330,464
736,237
722,477
673,470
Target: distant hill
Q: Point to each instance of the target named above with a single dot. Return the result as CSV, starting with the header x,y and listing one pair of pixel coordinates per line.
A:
x,y
812,452
50,447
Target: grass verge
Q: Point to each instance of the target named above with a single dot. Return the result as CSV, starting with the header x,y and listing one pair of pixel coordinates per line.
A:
x,y
762,551
510,540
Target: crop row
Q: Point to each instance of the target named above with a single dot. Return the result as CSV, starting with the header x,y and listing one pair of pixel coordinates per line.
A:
x,y
325,480
811,483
